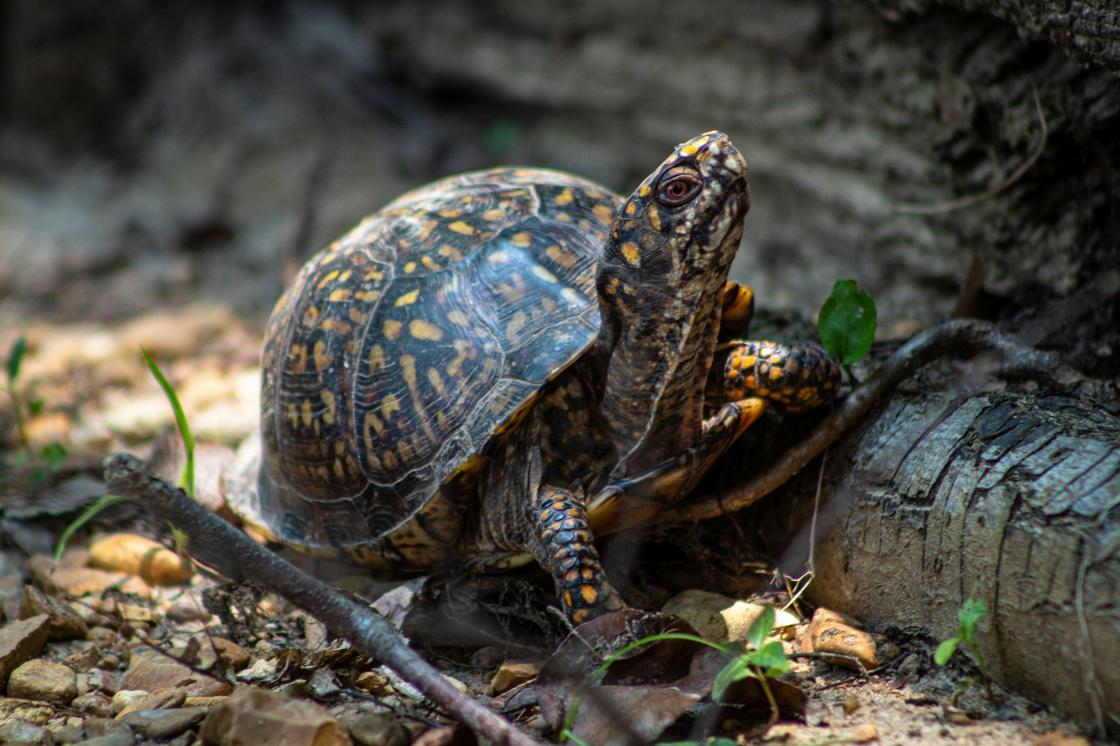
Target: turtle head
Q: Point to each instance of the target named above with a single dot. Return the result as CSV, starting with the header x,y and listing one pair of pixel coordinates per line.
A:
x,y
660,287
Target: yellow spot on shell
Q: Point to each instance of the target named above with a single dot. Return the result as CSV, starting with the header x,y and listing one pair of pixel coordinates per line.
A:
x,y
561,257
339,469
428,262
564,198
421,329
336,325
376,357
498,257
461,227
450,213
340,294
328,278
298,355
371,423
450,252
293,415
328,401
571,296
544,274
603,212
357,316
321,356
522,239
390,405
409,268
630,253
408,298
515,325
458,318
775,374
436,380
391,329
579,615
306,408
589,593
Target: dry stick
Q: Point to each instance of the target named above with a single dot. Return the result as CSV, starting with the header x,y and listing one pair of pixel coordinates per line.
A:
x,y
957,338
218,544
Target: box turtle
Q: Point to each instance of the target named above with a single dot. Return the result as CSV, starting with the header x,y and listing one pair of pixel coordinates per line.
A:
x,y
498,364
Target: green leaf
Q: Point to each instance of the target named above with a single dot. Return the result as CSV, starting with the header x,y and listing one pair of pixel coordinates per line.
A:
x,y
945,650
969,616
15,357
846,323
87,515
186,480
35,406
738,669
501,135
54,454
761,628
771,658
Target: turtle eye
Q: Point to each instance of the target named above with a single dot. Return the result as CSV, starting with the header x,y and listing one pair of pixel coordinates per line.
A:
x,y
678,190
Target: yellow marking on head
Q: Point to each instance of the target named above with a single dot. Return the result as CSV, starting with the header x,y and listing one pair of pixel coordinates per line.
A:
x,y
407,298
320,355
426,231
500,256
644,190
450,252
374,274
421,329
630,253
328,400
428,262
564,197
392,329
631,208
390,405
409,268
522,239
654,216
436,380
544,274
604,213
327,278
461,227
306,410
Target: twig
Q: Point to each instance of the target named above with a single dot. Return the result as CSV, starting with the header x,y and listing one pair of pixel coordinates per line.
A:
x,y
218,544
959,337
910,208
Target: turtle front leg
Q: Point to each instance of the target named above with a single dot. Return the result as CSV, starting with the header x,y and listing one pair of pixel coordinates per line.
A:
x,y
794,377
736,311
564,548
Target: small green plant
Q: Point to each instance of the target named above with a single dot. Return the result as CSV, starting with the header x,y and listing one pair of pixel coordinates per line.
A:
x,y
846,323
186,478
968,618
755,658
54,453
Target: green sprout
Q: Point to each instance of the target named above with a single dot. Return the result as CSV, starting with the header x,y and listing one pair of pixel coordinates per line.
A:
x,y
968,618
54,453
755,658
846,323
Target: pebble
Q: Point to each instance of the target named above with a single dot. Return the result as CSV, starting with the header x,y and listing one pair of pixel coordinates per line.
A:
x,y
233,656
165,723
81,581
513,673
93,703
153,672
829,633
187,610
1054,738
63,623
254,715
21,641
373,682
26,710
20,733
375,728
125,697
865,733
138,555
123,738
702,610
165,700
43,680
851,703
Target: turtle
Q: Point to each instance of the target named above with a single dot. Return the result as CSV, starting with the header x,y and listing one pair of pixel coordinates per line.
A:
x,y
497,366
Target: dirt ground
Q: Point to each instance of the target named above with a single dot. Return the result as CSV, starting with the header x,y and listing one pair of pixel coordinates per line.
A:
x,y
174,228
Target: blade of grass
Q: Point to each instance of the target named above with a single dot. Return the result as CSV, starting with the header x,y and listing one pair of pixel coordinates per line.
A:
x,y
93,509
186,480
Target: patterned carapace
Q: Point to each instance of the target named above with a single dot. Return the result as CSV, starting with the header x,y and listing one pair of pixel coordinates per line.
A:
x,y
495,365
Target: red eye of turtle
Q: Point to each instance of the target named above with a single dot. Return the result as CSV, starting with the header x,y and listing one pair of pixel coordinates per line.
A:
x,y
678,190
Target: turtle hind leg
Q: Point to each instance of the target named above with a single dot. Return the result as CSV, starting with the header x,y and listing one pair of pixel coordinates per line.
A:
x,y
795,377
564,548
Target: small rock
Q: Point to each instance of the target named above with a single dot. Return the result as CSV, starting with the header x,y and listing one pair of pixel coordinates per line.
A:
x,y
849,646
81,581
513,673
93,703
444,735
84,658
109,662
257,716
26,710
164,723
261,670
45,681
72,732
96,727
104,637
851,703
187,610
165,700
865,733
21,641
137,555
457,684
63,622
20,733
376,728
703,611
233,656
11,592
126,697
122,738
154,673
323,684
205,703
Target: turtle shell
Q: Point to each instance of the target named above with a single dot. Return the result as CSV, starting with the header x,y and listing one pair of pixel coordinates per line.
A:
x,y
404,348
